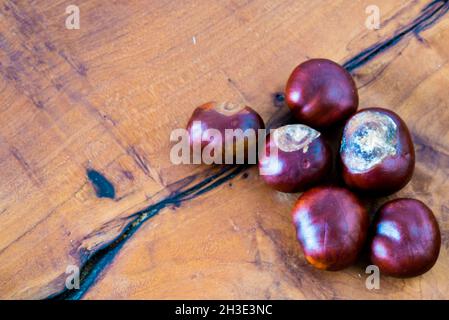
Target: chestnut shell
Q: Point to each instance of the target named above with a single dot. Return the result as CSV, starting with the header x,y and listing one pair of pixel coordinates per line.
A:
x,y
222,116
295,168
389,163
407,239
321,93
332,226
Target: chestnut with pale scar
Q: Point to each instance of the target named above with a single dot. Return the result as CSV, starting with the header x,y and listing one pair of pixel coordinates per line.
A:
x,y
301,159
219,117
294,137
369,138
376,152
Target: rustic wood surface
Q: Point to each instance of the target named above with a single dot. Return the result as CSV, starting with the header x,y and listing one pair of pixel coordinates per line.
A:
x,y
85,119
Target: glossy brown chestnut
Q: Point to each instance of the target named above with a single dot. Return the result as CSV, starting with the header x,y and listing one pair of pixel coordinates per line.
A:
x,y
331,226
296,157
376,153
406,240
321,93
221,116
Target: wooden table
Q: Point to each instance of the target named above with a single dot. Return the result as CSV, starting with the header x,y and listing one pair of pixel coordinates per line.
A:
x,y
86,115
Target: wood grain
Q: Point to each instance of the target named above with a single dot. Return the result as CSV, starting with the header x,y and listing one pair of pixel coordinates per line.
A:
x,y
105,98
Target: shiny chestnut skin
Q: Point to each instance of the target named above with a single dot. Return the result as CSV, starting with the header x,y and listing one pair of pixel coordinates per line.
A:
x,y
407,240
302,159
331,225
321,93
222,116
376,152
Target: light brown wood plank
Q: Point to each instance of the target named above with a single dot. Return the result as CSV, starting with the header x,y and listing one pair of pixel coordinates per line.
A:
x,y
108,95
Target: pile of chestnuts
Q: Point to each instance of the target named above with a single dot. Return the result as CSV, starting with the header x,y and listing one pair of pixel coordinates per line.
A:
x,y
376,157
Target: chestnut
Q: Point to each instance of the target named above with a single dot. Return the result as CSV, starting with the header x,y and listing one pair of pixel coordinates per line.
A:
x,y
295,158
406,241
331,225
376,152
221,118
321,93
